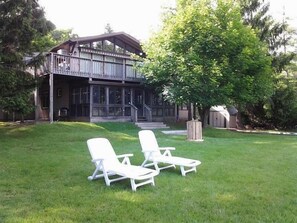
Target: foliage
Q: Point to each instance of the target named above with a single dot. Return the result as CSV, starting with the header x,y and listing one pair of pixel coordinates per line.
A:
x,y
205,55
284,106
108,28
53,38
276,111
21,23
15,90
276,35
242,178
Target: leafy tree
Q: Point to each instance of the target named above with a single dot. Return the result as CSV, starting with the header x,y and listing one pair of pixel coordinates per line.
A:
x,y
21,23
205,55
283,107
53,38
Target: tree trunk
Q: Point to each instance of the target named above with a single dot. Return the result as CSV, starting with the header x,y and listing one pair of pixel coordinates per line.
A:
x,y
22,118
189,112
239,124
203,113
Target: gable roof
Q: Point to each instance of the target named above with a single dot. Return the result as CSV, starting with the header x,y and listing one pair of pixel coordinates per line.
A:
x,y
112,37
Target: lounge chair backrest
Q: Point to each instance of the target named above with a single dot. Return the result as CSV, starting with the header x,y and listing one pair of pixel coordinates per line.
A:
x,y
100,148
149,143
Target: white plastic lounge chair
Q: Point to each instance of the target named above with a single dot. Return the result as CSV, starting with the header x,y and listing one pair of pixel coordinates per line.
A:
x,y
107,162
153,155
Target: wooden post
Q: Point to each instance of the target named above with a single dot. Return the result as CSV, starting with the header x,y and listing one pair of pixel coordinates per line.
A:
x,y
51,93
194,131
51,98
91,103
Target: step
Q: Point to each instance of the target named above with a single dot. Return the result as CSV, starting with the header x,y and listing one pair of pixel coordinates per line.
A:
x,y
151,125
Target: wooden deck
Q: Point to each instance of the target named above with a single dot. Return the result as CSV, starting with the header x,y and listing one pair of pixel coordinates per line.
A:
x,y
107,66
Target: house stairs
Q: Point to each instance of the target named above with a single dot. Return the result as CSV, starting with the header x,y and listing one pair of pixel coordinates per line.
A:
x,y
143,124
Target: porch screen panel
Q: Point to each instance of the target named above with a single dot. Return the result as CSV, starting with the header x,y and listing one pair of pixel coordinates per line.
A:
x,y
99,101
115,101
127,108
157,105
80,102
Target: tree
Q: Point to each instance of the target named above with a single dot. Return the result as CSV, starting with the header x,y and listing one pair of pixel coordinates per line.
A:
x,y
205,55
21,23
275,34
278,36
52,39
108,28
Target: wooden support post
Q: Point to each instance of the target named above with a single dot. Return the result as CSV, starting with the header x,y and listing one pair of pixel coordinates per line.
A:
x,y
51,98
91,103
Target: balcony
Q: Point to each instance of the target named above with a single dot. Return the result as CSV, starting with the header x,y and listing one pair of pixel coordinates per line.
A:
x,y
102,66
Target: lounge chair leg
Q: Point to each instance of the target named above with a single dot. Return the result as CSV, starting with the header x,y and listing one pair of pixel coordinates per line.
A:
x,y
153,181
133,185
182,168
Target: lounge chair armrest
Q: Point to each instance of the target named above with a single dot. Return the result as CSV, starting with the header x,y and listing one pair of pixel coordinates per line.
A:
x,y
167,148
125,155
97,160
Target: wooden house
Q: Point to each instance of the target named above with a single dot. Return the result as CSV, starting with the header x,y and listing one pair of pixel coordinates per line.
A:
x,y
94,79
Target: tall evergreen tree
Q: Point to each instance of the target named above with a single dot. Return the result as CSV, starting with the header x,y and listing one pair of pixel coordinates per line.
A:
x,y
277,35
21,23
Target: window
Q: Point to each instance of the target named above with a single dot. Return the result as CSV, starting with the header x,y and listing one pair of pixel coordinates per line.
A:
x,y
97,45
108,46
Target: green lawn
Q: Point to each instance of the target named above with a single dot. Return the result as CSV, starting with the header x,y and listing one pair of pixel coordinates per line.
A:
x,y
242,178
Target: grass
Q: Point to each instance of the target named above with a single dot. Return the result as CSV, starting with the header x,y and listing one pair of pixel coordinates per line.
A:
x,y
243,177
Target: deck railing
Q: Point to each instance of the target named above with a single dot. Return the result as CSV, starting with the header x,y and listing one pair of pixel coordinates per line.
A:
x,y
134,113
148,113
119,69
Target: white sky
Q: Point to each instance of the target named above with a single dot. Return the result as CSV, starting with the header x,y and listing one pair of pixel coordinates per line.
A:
x,y
135,17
